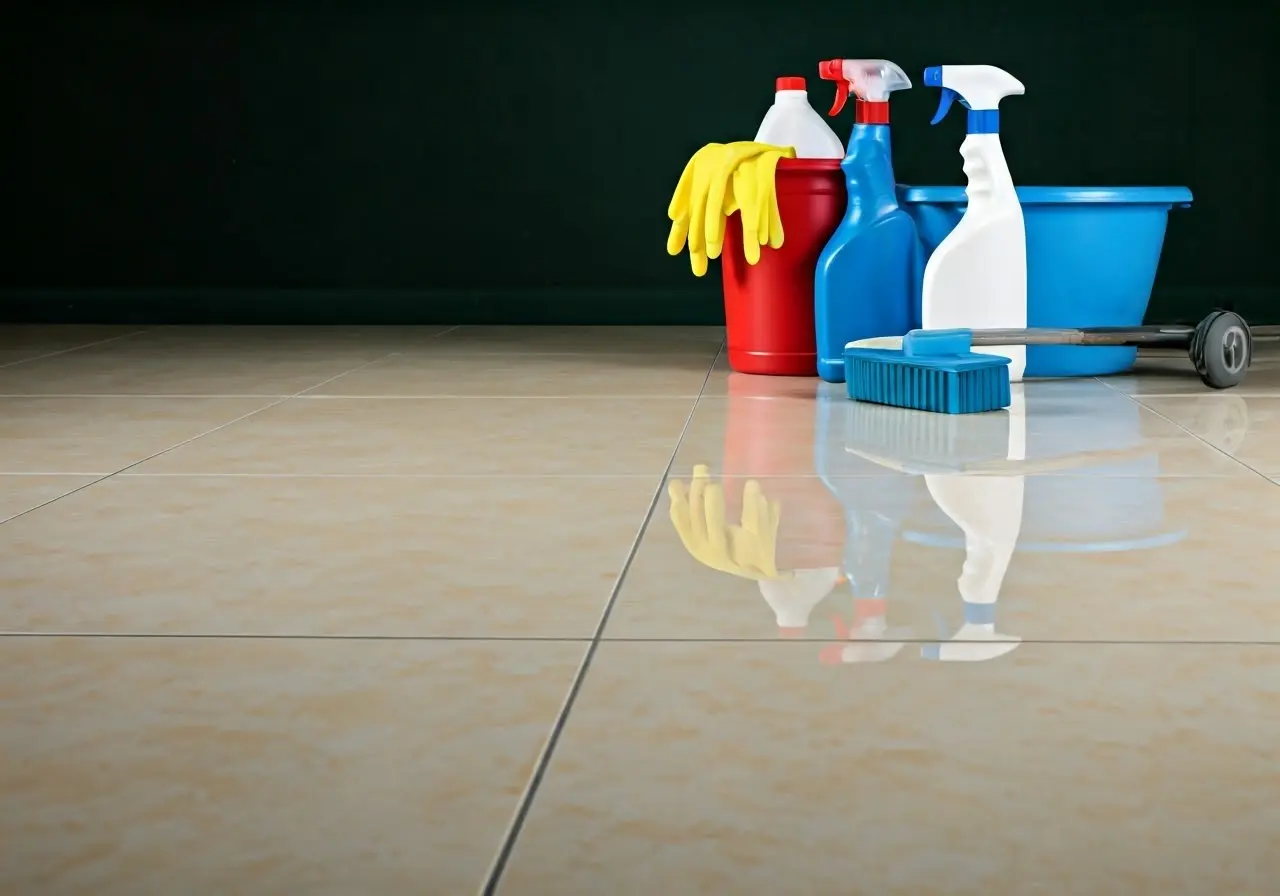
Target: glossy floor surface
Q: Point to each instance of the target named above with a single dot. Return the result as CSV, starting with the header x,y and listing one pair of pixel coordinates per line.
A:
x,y
579,611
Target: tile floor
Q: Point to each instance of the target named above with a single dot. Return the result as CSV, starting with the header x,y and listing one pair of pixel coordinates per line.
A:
x,y
384,611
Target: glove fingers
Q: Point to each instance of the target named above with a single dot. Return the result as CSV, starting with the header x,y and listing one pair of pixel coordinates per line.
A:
x,y
713,508
753,501
715,222
775,224
697,502
734,155
697,216
680,519
676,237
679,204
745,187
766,187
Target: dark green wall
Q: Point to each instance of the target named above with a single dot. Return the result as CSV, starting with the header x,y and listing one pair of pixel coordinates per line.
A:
x,y
411,161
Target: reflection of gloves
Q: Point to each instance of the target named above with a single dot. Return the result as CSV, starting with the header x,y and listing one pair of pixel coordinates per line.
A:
x,y
720,179
746,550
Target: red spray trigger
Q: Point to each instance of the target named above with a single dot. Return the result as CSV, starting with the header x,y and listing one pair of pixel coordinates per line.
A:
x,y
833,70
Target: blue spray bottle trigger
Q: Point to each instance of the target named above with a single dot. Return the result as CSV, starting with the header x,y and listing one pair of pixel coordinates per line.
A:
x,y
933,78
980,121
944,104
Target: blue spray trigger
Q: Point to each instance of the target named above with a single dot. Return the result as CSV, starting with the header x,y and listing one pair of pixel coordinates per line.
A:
x,y
944,104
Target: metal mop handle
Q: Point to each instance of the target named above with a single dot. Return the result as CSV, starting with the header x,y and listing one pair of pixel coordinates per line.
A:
x,y
1153,336
1172,336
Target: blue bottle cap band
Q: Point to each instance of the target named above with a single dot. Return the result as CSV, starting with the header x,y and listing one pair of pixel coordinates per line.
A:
x,y
984,121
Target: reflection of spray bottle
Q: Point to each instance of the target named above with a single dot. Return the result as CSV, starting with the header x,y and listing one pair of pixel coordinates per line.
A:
x,y
875,505
767,437
988,509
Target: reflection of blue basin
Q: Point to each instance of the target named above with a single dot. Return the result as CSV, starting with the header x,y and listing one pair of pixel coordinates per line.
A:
x,y
1087,513
1108,504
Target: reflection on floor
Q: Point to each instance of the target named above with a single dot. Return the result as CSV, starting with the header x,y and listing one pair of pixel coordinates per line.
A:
x,y
581,611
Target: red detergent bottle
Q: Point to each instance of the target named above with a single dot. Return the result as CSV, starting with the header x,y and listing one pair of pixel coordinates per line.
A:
x,y
768,306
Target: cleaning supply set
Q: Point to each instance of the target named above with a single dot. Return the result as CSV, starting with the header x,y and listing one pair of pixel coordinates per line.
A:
x,y
803,222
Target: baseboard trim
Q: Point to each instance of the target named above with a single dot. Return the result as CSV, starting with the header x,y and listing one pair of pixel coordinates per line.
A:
x,y
701,305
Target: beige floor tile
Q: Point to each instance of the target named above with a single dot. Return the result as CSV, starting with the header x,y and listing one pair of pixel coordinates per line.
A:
x,y
1242,426
101,435
1080,428
867,560
1168,372
701,341
730,768
724,381
203,361
19,343
163,766
474,557
444,436
267,340
534,375
19,494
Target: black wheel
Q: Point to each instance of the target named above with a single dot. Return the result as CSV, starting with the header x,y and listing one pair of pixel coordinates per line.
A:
x,y
1222,349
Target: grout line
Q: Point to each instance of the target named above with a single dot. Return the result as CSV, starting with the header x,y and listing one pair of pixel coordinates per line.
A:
x,y
507,847
473,396
74,348
331,396
1203,441
587,639
147,395
125,473
187,441
259,636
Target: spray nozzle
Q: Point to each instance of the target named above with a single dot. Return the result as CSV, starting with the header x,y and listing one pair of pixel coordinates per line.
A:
x,y
870,80
979,88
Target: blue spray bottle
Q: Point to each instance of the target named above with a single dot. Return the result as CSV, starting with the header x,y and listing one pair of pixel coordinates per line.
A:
x,y
865,282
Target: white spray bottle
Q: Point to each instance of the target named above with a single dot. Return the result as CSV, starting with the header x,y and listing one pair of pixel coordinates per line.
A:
x,y
977,277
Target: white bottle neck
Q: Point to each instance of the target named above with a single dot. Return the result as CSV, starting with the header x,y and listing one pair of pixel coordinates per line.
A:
x,y
791,97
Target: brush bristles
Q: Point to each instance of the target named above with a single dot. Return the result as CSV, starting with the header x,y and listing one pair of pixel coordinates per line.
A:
x,y
928,388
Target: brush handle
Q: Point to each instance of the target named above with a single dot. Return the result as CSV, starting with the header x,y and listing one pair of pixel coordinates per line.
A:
x,y
1175,337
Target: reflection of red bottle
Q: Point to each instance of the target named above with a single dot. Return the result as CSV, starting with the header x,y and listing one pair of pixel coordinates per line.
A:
x,y
769,433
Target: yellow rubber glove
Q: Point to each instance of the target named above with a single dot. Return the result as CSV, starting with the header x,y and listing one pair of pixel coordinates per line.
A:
x,y
747,550
708,192
757,199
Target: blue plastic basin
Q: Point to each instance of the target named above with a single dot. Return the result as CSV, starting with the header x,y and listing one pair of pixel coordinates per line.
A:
x,y
1092,254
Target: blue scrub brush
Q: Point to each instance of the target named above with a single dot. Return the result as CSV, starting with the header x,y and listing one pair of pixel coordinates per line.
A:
x,y
933,371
